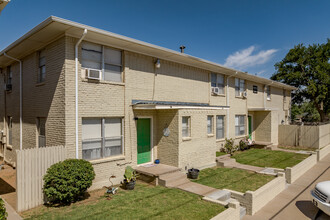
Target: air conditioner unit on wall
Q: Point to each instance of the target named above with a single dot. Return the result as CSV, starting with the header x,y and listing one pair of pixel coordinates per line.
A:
x,y
244,94
94,74
215,90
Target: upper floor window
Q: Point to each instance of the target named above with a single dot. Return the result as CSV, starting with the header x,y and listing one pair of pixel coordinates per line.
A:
x,y
210,124
217,83
41,132
268,92
284,95
185,126
101,137
220,127
9,76
239,125
239,86
42,66
108,60
255,89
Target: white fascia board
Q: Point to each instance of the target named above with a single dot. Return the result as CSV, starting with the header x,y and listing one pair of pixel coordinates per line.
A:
x,y
164,107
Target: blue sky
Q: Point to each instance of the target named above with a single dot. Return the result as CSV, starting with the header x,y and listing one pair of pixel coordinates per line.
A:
x,y
249,35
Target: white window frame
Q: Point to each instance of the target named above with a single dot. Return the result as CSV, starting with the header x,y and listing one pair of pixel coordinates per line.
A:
x,y
188,128
210,126
216,83
239,87
222,128
103,138
240,126
268,92
103,63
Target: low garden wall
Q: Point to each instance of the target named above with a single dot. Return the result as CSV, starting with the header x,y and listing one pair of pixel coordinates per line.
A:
x,y
231,213
323,152
293,173
255,200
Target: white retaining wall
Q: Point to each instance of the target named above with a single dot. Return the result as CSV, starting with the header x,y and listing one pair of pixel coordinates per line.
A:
x,y
293,173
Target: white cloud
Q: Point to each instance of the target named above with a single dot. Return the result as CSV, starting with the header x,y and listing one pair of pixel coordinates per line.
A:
x,y
244,58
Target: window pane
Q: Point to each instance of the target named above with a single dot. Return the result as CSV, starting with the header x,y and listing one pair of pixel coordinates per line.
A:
x,y
92,149
42,61
113,146
91,64
185,127
220,127
236,82
112,127
112,56
220,79
209,124
112,73
90,46
91,56
91,129
213,78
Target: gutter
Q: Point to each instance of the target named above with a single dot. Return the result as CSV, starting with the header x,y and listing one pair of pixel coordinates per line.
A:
x,y
76,91
20,100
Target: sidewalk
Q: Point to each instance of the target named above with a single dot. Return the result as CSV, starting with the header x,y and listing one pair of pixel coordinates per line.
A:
x,y
12,214
295,202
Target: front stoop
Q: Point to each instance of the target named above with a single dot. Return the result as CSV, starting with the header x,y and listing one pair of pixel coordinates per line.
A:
x,y
172,179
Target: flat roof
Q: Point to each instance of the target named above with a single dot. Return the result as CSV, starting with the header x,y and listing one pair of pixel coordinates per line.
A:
x,y
54,27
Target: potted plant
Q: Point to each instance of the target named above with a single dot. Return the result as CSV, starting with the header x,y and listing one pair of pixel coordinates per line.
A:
x,y
193,173
129,178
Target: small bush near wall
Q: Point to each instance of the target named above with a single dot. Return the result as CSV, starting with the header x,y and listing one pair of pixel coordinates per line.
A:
x,y
3,213
67,181
229,147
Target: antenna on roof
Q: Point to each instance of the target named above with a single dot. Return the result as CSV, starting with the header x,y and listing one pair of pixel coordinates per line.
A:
x,y
182,48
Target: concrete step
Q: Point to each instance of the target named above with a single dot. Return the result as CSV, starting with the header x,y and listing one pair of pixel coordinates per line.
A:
x,y
228,162
242,212
172,179
196,188
220,195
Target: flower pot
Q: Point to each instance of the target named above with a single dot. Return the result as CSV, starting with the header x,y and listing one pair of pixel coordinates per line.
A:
x,y
129,185
193,173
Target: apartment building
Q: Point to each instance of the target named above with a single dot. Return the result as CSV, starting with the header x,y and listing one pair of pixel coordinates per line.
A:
x,y
117,101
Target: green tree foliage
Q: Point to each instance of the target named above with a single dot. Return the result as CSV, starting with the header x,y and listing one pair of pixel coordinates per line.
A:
x,y
67,181
3,213
307,110
308,69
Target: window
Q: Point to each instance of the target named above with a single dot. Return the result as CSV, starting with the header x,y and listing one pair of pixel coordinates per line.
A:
x,y
108,60
284,95
268,92
220,127
209,124
185,126
41,132
255,89
239,125
9,76
217,81
101,137
239,86
10,130
42,66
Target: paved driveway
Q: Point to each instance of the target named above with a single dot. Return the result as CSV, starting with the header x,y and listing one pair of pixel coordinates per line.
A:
x,y
294,202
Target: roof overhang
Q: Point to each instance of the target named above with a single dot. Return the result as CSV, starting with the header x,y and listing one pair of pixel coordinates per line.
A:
x,y
3,4
262,109
163,105
53,27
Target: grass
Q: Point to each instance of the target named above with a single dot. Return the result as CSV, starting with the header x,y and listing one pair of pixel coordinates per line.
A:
x,y
144,202
297,148
268,158
218,153
232,178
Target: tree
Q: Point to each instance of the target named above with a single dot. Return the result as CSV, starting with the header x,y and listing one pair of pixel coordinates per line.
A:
x,y
308,69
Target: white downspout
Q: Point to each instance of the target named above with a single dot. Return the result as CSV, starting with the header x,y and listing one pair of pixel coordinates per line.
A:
x,y
227,103
20,101
76,92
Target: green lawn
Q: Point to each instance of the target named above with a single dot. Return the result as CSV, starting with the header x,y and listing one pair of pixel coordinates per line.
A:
x,y
218,153
232,178
144,202
268,158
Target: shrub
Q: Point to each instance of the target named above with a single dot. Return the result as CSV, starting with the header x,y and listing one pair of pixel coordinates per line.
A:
x,y
3,213
67,181
243,145
229,146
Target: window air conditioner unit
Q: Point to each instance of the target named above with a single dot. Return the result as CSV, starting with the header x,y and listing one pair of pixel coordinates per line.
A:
x,y
94,74
244,94
9,87
215,90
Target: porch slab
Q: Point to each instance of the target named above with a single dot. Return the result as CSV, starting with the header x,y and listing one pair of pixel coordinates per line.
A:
x,y
196,188
155,170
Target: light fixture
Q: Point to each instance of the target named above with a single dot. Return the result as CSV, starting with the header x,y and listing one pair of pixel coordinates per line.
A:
x,y
157,64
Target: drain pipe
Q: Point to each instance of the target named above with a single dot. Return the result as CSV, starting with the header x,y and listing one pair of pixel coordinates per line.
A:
x,y
76,87
227,103
20,100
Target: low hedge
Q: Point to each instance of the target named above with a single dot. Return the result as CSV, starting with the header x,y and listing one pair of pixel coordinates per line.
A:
x,y
67,181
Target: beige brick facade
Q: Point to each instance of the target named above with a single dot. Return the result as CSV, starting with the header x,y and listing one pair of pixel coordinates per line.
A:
x,y
172,82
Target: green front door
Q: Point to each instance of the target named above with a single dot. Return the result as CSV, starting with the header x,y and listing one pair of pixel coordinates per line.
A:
x,y
250,127
143,140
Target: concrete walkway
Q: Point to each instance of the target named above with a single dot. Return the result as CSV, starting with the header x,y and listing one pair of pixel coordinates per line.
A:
x,y
12,214
227,161
294,202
